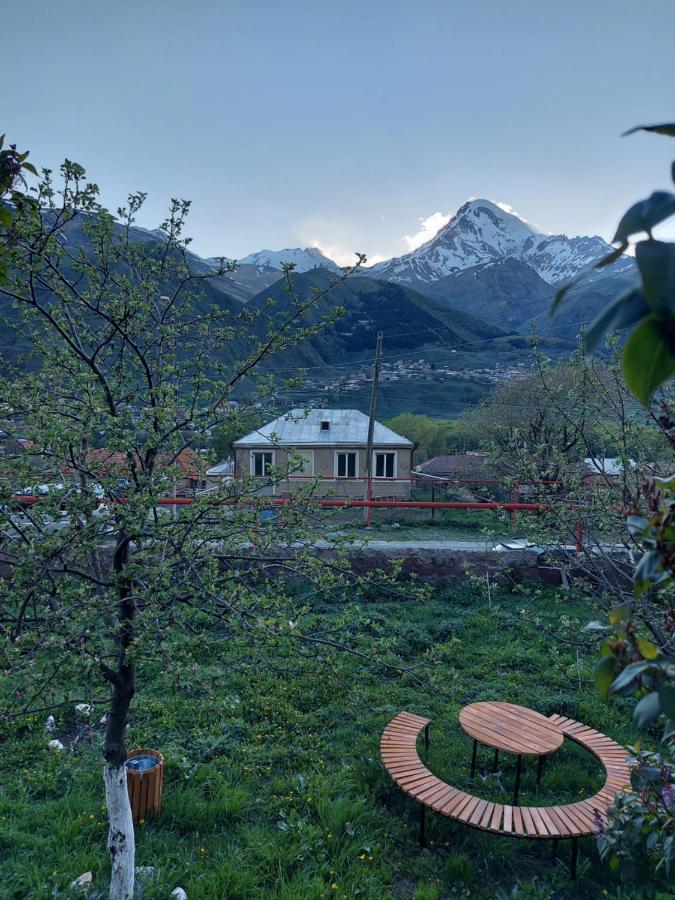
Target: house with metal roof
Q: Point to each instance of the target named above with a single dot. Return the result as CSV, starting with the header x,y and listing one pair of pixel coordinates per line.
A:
x,y
325,447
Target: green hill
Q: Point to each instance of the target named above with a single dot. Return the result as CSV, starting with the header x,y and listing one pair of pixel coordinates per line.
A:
x,y
409,321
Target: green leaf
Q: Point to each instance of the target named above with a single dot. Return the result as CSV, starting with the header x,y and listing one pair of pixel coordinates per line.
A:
x,y
637,525
604,675
647,709
648,570
626,679
620,614
29,167
667,700
656,261
645,214
5,217
625,310
647,649
668,129
647,359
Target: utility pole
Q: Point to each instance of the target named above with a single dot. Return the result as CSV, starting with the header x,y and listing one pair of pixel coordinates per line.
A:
x,y
371,428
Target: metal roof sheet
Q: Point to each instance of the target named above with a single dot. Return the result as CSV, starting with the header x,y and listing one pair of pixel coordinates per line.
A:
x,y
299,427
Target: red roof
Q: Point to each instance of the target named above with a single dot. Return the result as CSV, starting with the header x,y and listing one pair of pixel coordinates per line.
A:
x,y
116,462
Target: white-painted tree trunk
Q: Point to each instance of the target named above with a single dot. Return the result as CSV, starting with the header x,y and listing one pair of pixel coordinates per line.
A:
x,y
121,842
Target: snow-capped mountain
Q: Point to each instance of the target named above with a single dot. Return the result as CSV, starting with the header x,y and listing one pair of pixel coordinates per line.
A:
x,y
304,260
482,232
555,257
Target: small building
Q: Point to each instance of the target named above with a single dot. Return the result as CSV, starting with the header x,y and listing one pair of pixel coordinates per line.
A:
x,y
331,446
220,474
457,466
603,467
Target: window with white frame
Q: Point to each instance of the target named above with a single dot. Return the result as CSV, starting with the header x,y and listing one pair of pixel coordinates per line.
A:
x,y
261,462
346,464
385,465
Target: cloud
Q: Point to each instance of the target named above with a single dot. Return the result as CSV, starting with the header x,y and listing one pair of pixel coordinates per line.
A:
x,y
341,255
430,226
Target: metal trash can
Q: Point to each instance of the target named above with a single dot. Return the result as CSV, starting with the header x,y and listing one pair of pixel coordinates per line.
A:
x,y
145,777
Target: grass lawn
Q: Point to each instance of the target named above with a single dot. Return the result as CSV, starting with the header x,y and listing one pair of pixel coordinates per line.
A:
x,y
273,785
419,525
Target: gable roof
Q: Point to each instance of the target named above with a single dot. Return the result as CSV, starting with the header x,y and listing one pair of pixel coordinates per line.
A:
x,y
298,427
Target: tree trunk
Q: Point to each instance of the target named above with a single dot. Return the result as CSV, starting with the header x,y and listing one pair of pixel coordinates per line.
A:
x,y
121,843
121,840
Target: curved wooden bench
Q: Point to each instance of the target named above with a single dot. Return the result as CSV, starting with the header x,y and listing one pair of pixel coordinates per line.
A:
x,y
398,749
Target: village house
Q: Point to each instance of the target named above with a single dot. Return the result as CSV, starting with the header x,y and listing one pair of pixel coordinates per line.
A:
x,y
188,480
331,444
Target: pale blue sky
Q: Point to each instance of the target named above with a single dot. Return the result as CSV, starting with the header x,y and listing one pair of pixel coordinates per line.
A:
x,y
346,123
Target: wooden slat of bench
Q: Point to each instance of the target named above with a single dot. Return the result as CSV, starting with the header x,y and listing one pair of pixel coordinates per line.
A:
x,y
464,815
574,818
560,821
412,719
432,791
508,818
528,821
456,805
402,731
519,826
551,825
415,777
593,811
487,816
397,772
477,814
409,782
496,820
539,822
569,826
394,762
444,798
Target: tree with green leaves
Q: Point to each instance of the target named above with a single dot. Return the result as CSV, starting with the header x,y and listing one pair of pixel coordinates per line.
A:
x,y
638,656
630,664
131,361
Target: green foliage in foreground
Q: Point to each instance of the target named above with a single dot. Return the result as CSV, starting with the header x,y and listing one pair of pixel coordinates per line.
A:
x,y
273,786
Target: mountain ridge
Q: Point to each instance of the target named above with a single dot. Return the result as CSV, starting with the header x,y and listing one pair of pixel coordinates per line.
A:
x,y
483,232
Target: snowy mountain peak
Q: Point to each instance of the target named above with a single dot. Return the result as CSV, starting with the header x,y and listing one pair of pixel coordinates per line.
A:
x,y
483,232
304,259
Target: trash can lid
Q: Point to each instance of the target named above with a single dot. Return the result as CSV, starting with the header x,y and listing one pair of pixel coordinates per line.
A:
x,y
142,763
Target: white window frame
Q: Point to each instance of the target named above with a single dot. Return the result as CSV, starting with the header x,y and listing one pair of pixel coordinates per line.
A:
x,y
377,453
251,468
356,464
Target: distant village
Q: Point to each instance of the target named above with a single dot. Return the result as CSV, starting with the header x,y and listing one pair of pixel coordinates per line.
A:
x,y
413,370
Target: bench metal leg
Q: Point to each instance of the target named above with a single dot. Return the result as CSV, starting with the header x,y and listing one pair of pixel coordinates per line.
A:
x,y
573,861
540,767
517,787
555,847
423,837
426,737
473,758
496,762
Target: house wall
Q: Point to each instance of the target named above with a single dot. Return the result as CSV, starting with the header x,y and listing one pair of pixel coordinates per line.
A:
x,y
324,467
